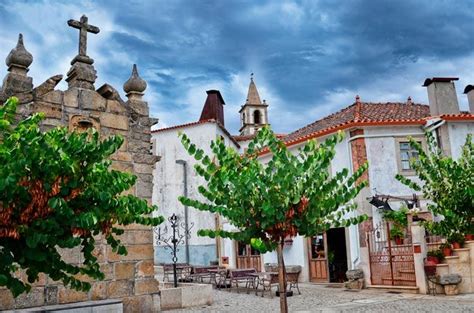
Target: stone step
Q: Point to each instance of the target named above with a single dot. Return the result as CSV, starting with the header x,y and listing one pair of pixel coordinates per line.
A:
x,y
403,289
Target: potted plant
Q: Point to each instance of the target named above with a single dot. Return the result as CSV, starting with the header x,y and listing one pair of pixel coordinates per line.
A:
x,y
469,237
397,235
446,248
457,240
435,256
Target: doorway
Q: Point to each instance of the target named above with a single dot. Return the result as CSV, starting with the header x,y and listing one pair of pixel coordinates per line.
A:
x,y
337,254
328,256
247,256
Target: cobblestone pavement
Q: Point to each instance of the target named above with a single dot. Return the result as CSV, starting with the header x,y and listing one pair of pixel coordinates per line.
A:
x,y
320,298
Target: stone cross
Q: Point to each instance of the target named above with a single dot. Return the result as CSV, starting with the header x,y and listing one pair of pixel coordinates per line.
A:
x,y
84,28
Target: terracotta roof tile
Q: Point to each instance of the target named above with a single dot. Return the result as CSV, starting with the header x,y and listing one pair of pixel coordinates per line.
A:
x,y
364,112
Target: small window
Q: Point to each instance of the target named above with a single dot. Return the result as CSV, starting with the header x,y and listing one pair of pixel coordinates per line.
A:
x,y
407,152
256,117
318,250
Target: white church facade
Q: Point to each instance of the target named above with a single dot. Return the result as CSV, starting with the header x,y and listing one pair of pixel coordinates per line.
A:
x,y
375,133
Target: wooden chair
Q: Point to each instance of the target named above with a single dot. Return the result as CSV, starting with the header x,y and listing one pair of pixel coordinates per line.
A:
x,y
242,276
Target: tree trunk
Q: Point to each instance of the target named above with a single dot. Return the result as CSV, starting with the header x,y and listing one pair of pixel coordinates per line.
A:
x,y
282,279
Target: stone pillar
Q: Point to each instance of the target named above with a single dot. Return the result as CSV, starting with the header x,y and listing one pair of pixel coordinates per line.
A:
x,y
419,255
16,82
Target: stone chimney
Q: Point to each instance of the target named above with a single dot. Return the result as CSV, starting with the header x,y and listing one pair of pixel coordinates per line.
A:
x,y
442,95
213,107
17,82
469,91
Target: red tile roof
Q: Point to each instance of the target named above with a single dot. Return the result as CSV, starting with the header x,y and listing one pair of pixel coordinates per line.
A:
x,y
362,113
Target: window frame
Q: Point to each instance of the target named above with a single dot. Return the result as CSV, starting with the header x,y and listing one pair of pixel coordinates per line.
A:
x,y
398,141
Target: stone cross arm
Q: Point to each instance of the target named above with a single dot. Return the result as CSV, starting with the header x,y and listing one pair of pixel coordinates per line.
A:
x,y
84,28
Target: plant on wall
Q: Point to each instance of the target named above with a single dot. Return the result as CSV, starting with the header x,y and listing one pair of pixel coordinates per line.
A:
x,y
448,184
290,195
57,191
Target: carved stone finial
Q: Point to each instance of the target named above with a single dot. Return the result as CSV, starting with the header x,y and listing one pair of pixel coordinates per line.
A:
x,y
19,59
135,84
357,99
409,101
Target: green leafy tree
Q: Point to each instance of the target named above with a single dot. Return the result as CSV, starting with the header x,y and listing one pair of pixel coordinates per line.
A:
x,y
448,184
57,191
290,195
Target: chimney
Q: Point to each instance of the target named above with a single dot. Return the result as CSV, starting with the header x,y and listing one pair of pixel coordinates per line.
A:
x,y
213,107
442,95
469,91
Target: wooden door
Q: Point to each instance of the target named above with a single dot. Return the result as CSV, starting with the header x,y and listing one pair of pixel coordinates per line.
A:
x,y
247,257
318,263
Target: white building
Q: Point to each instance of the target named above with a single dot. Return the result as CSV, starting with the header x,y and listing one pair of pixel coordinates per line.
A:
x,y
375,132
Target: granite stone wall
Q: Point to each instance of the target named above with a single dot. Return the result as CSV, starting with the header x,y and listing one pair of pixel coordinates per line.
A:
x,y
130,277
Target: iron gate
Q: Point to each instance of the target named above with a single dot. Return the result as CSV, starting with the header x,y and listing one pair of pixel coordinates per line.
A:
x,y
391,263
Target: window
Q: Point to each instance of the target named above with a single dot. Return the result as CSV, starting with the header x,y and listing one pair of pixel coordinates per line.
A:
x,y
256,117
318,247
407,152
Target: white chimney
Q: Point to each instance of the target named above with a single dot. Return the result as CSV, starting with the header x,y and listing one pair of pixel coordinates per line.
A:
x,y
469,91
442,95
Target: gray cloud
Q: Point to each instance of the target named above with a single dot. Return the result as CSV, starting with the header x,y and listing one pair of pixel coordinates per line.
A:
x,y
310,57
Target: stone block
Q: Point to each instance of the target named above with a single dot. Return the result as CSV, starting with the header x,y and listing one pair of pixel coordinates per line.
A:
x,y
49,110
354,284
73,255
66,295
137,237
143,168
6,299
145,269
451,290
91,100
124,270
186,295
135,253
450,279
71,98
52,122
119,288
99,291
144,190
55,96
122,166
144,158
139,304
146,286
113,106
139,107
100,253
148,178
121,156
355,274
108,270
51,295
114,121
34,298
139,146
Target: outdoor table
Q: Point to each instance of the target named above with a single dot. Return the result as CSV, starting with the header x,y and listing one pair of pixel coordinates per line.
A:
x,y
260,279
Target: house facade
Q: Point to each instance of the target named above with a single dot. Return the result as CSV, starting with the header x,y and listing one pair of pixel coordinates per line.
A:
x,y
376,133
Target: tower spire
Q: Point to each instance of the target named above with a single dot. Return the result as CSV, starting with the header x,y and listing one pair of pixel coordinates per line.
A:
x,y
252,95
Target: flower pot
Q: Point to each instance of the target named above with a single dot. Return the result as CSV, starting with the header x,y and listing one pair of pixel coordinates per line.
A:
x,y
432,260
469,237
447,251
398,240
456,245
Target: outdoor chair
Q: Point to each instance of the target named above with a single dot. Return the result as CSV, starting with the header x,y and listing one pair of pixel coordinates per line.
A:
x,y
202,272
292,280
267,283
242,276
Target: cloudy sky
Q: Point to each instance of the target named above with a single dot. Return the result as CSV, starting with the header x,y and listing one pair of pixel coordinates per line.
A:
x,y
310,58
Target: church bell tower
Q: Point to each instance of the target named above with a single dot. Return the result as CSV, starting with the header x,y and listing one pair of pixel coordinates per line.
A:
x,y
253,114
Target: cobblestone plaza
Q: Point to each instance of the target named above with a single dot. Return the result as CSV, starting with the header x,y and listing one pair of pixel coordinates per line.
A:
x,y
321,298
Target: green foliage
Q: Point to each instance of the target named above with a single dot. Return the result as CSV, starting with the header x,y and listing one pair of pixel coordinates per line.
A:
x,y
448,184
437,254
456,237
57,191
399,221
290,195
